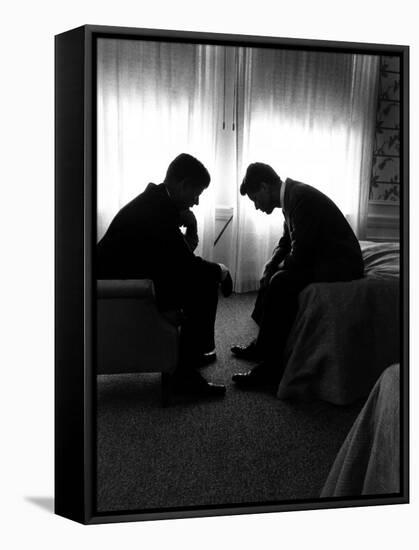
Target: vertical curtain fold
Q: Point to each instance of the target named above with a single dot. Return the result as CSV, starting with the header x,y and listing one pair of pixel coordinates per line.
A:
x,y
365,93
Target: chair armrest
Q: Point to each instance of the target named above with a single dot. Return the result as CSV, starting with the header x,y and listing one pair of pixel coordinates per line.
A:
x,y
125,288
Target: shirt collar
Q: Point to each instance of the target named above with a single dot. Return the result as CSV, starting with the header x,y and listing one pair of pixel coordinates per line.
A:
x,y
282,194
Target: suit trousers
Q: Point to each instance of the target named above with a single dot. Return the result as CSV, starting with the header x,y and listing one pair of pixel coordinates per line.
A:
x,y
275,310
197,298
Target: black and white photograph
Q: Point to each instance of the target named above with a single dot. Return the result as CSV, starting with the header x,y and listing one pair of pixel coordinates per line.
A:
x,y
209,275
247,267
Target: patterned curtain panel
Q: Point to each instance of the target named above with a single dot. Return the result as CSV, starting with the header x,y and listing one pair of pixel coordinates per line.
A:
x,y
385,179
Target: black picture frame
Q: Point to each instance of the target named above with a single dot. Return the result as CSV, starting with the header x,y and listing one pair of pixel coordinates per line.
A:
x,y
75,219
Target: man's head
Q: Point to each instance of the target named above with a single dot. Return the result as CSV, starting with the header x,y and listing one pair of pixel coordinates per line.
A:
x,y
186,178
262,185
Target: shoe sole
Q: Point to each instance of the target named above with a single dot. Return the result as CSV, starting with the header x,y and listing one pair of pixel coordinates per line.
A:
x,y
206,360
246,357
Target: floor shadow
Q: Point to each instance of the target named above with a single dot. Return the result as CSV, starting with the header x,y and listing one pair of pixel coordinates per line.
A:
x,y
46,503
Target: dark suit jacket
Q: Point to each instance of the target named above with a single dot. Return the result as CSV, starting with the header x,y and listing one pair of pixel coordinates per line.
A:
x,y
317,238
144,241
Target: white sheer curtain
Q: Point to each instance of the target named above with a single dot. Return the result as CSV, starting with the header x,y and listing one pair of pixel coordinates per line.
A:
x,y
155,100
310,115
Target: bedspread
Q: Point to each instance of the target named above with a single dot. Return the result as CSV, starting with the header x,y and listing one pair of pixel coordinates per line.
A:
x,y
368,462
345,333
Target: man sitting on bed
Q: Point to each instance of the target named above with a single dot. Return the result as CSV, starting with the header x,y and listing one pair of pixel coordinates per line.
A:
x,y
144,240
318,245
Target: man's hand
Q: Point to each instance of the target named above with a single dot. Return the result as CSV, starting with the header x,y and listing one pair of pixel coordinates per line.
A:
x,y
224,271
187,219
268,273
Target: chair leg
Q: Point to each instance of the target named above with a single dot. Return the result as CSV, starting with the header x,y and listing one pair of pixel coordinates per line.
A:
x,y
165,388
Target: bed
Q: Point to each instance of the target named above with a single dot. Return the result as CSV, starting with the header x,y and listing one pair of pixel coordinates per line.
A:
x,y
345,333
368,462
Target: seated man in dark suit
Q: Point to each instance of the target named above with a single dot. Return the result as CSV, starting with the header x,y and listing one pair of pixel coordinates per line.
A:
x,y
144,240
317,245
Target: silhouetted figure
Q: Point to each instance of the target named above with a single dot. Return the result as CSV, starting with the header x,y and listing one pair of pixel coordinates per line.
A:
x,y
144,240
318,245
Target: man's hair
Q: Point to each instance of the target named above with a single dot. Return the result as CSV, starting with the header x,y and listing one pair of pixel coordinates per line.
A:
x,y
257,173
187,167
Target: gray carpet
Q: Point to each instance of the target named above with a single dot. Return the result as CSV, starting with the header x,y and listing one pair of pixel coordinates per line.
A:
x,y
247,447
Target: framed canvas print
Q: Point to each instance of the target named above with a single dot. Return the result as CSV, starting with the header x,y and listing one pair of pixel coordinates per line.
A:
x,y
231,274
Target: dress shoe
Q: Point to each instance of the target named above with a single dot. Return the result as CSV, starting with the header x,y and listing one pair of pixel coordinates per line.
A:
x,y
206,359
193,384
198,360
260,376
246,352
226,286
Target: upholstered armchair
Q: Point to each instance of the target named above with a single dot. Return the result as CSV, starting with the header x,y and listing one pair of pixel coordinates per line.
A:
x,y
132,335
